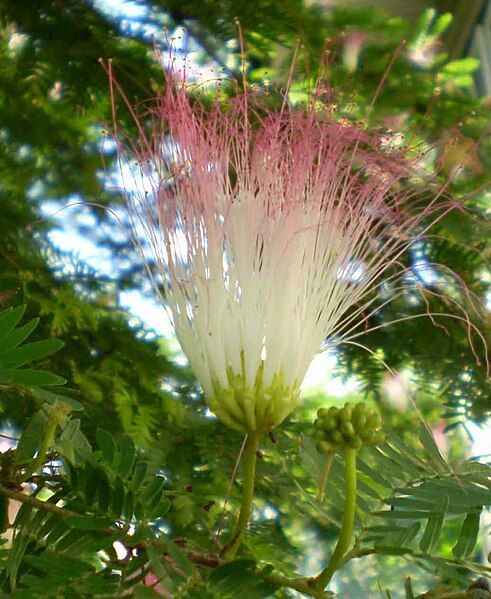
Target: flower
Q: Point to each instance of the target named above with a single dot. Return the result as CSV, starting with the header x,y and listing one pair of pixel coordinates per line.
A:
x,y
270,230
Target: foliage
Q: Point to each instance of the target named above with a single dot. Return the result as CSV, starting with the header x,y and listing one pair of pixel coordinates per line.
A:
x,y
90,495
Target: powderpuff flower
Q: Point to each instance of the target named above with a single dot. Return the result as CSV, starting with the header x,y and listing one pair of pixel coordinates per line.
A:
x,y
270,230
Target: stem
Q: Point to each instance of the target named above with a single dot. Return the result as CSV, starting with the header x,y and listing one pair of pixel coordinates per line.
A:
x,y
58,413
325,475
302,585
344,540
35,502
249,460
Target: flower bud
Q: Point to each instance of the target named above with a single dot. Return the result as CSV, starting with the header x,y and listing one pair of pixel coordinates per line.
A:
x,y
347,429
359,409
359,422
355,442
345,413
374,421
330,424
323,447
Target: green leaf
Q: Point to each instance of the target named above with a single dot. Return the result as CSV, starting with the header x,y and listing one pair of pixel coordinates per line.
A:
x,y
442,23
260,590
156,561
129,505
73,444
406,466
27,524
103,491
52,398
19,545
9,319
56,532
142,592
107,445
401,514
118,497
389,468
5,377
30,352
17,336
159,508
391,550
126,456
434,526
312,461
241,579
35,378
139,473
468,536
233,576
177,555
88,522
407,534
372,474
4,513
432,450
154,490
68,567
31,437
463,66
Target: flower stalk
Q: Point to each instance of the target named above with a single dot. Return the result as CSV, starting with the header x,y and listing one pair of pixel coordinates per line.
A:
x,y
346,533
249,461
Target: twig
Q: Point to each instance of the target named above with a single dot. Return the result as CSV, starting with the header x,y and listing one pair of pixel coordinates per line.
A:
x,y
37,503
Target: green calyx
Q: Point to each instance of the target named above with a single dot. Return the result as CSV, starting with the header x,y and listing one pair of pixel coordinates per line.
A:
x,y
351,426
257,408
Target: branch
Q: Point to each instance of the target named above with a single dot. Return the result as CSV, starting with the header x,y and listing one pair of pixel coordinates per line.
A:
x,y
37,503
302,585
357,552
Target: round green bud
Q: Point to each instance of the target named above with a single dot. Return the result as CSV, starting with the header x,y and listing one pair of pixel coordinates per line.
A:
x,y
330,424
359,422
355,442
360,409
319,435
337,438
318,423
323,447
368,436
374,421
345,413
347,429
333,412
322,412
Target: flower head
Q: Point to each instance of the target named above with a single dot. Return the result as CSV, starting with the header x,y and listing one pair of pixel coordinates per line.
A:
x,y
269,229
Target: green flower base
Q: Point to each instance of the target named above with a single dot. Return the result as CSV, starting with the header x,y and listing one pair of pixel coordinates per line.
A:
x,y
255,409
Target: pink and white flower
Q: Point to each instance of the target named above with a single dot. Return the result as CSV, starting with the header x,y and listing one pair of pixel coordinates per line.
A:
x,y
270,230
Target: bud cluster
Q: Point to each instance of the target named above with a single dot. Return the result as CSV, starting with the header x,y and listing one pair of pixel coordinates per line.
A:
x,y
349,426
